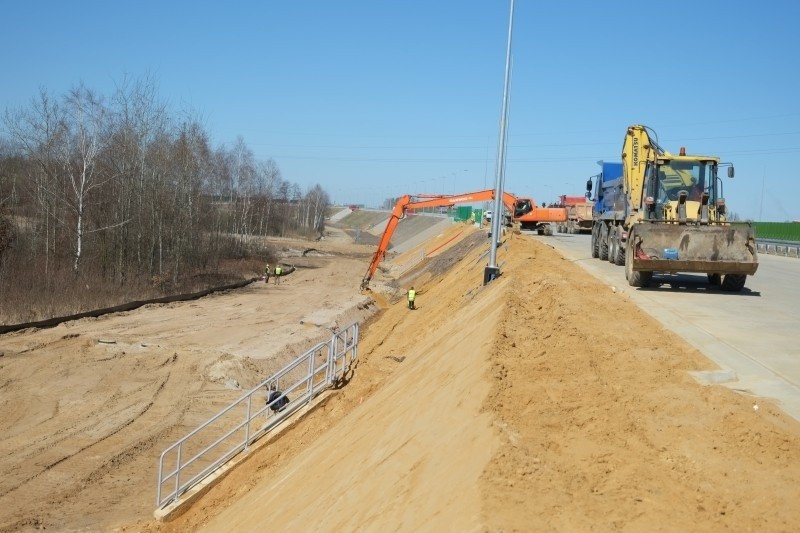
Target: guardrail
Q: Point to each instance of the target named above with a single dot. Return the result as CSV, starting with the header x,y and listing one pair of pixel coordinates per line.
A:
x,y
776,247
216,441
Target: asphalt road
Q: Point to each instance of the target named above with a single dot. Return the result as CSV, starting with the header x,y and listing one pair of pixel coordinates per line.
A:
x,y
754,335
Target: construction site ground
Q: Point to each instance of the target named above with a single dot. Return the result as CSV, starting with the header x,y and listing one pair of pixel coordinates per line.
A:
x,y
538,402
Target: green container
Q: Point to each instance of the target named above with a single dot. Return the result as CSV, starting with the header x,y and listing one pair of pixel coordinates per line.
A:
x,y
463,213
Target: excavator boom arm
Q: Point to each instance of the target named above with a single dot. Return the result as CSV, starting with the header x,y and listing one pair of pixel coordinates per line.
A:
x,y
408,202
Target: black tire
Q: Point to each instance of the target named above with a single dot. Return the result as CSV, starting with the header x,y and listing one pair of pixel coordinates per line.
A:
x,y
612,243
733,282
715,280
603,243
635,279
595,245
619,256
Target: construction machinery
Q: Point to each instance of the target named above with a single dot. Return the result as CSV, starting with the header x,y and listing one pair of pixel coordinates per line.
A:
x,y
667,213
541,219
421,201
579,214
523,212
608,212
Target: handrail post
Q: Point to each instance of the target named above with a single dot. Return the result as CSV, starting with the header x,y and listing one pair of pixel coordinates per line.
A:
x,y
178,472
247,422
310,387
331,363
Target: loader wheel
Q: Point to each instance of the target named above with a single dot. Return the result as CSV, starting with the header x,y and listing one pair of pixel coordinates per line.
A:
x,y
715,280
635,279
733,282
595,245
603,243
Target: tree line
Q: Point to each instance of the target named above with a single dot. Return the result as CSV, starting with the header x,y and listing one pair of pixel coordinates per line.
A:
x,y
121,188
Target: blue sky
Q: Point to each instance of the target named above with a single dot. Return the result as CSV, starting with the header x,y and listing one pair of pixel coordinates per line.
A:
x,y
373,99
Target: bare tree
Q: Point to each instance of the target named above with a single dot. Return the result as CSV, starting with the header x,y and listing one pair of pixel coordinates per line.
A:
x,y
84,120
38,132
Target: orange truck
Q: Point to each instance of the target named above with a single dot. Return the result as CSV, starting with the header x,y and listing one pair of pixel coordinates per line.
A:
x,y
579,214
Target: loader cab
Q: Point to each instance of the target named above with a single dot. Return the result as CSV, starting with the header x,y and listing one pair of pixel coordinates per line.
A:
x,y
669,179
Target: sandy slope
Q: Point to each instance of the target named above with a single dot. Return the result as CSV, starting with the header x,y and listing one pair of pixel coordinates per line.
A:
x,y
541,402
88,406
515,408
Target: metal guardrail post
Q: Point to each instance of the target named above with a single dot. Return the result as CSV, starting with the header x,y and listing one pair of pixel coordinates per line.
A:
x,y
247,420
178,472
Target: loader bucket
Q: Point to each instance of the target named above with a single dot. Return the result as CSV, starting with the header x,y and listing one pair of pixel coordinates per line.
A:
x,y
721,248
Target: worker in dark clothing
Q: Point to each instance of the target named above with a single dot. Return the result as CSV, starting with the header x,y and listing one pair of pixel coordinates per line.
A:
x,y
412,294
267,273
277,401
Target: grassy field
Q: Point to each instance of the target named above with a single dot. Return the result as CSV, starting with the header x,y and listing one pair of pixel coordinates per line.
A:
x,y
785,231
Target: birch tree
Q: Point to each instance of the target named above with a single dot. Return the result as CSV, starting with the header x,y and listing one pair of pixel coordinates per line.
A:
x,y
85,114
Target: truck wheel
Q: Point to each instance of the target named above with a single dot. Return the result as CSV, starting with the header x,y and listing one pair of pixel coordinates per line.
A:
x,y
635,279
612,243
733,282
595,248
619,256
603,243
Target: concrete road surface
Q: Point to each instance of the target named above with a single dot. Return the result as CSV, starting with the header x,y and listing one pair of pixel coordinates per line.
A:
x,y
754,335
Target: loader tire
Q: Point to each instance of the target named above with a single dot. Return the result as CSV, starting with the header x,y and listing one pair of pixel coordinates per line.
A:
x,y
715,280
638,278
603,244
733,282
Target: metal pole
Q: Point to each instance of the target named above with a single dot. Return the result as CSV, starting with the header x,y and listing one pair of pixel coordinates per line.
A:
x,y
492,271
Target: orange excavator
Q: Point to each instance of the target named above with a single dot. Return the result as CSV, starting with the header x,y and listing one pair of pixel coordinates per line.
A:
x,y
522,209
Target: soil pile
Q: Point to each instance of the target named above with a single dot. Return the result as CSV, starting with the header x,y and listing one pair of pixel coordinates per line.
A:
x,y
543,401
518,407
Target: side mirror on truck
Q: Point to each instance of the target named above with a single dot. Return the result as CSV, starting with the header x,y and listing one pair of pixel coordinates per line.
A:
x,y
589,185
730,171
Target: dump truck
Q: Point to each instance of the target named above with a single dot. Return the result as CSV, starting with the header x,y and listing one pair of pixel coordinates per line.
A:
x,y
579,214
609,211
667,213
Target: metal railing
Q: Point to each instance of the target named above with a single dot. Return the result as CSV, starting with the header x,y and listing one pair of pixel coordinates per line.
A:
x,y
217,440
776,247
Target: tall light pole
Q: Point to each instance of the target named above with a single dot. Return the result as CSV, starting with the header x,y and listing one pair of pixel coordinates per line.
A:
x,y
492,271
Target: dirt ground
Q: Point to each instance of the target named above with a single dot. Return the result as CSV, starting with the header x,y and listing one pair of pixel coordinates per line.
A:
x,y
543,401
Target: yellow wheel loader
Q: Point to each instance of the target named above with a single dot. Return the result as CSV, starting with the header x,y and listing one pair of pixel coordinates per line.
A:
x,y
675,217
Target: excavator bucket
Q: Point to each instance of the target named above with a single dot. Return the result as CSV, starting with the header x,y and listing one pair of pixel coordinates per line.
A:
x,y
720,248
